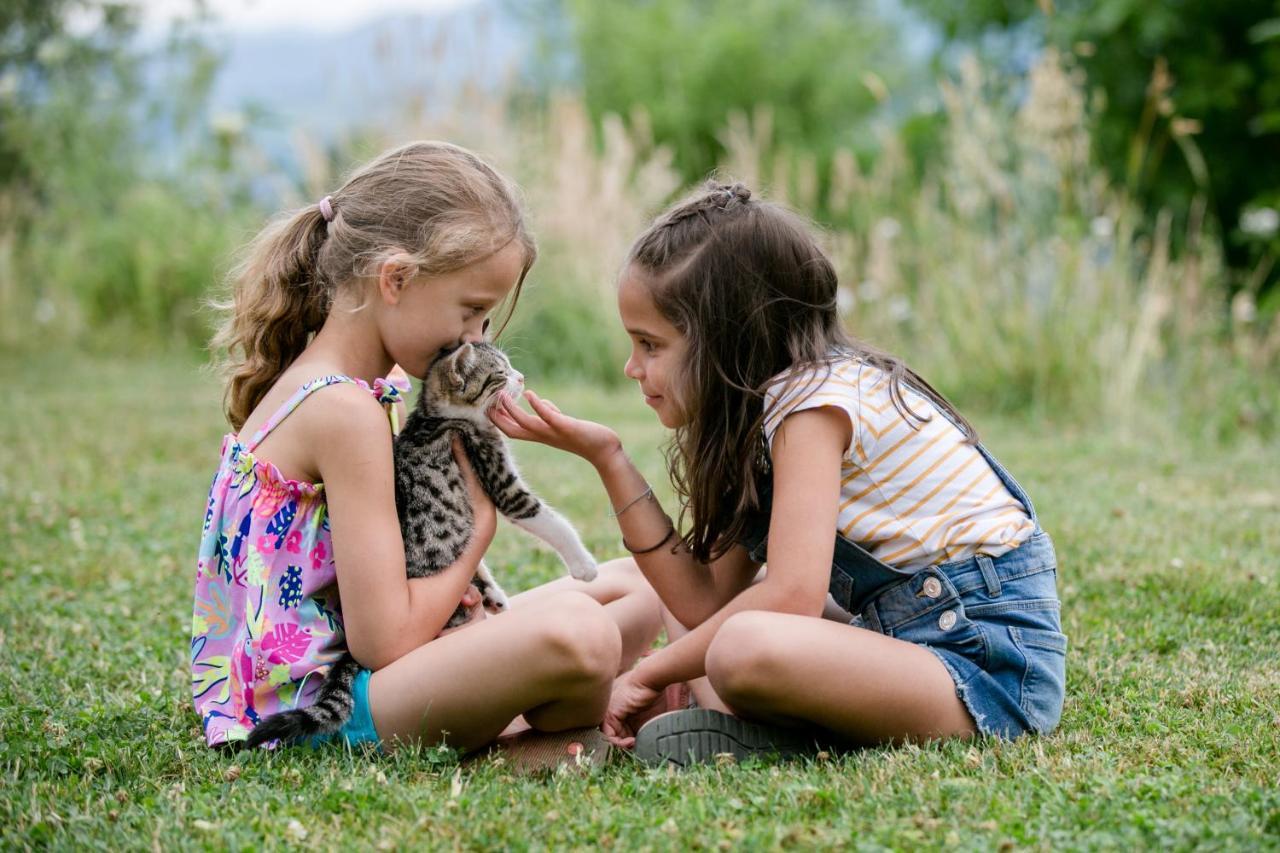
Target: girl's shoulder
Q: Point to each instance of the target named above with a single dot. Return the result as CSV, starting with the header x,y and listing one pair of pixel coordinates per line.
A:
x,y
841,375
338,406
843,381
286,397
308,416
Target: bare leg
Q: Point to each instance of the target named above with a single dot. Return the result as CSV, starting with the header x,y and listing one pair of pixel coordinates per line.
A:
x,y
701,688
555,664
860,684
627,598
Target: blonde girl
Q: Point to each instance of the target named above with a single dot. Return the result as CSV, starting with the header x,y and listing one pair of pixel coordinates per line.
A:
x,y
301,555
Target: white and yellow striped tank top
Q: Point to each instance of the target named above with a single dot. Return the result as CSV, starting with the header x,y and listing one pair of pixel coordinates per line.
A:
x,y
913,494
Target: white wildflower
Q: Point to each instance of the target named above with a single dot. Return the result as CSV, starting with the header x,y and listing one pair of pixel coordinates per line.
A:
x,y
45,311
52,51
1244,309
230,123
888,228
1260,222
900,309
844,300
295,830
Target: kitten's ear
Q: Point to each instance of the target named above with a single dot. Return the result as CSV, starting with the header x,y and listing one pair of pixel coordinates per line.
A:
x,y
459,359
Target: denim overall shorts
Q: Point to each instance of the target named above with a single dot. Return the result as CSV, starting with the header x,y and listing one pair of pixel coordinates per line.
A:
x,y
993,622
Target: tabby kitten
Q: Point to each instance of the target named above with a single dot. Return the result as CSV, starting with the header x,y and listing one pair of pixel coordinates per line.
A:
x,y
436,517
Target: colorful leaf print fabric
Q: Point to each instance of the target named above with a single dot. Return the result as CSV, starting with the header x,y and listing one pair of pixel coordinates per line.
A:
x,y
266,622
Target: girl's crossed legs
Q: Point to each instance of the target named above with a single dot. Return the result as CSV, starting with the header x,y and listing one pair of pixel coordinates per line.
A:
x,y
793,670
553,662
863,686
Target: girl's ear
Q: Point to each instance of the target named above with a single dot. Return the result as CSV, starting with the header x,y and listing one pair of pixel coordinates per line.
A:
x,y
394,275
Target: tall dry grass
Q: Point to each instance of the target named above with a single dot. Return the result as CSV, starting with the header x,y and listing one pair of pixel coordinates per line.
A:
x,y
1016,275
1013,275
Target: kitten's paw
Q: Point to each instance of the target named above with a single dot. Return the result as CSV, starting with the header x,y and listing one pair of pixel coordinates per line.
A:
x,y
495,600
582,567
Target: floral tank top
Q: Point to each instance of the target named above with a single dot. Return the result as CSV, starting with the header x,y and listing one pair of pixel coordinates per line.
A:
x,y
267,622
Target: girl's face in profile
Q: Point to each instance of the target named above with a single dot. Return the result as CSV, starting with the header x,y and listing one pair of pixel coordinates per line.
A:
x,y
657,347
431,313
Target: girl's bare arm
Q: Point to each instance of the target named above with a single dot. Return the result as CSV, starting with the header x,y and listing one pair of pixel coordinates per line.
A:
x,y
807,454
385,613
690,589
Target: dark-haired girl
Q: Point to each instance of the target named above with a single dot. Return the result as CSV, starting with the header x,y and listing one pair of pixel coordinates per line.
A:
x,y
866,493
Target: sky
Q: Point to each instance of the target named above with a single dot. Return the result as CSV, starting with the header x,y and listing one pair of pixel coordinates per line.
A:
x,y
266,15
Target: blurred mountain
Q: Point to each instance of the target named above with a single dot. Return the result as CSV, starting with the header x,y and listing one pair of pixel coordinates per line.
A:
x,y
330,84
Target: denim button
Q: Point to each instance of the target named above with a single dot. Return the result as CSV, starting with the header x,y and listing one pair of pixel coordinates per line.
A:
x,y
947,620
932,587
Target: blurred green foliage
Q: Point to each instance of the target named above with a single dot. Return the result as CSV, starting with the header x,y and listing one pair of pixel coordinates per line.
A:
x,y
1190,98
823,67
41,61
122,200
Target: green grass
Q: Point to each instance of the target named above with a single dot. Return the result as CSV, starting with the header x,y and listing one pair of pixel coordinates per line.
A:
x,y
1170,735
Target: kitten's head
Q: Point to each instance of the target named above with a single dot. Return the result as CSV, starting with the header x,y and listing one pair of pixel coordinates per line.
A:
x,y
465,382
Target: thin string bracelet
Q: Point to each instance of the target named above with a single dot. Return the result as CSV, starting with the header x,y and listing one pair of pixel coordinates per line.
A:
x,y
645,494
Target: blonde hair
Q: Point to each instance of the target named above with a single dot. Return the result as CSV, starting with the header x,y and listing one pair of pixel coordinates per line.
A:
x,y
431,206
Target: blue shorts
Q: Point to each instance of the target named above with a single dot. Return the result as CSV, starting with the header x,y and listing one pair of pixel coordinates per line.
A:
x,y
994,624
359,728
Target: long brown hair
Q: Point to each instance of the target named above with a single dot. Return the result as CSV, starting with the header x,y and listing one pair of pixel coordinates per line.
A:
x,y
746,283
431,206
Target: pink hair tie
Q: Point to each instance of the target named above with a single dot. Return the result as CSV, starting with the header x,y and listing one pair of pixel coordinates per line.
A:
x,y
326,209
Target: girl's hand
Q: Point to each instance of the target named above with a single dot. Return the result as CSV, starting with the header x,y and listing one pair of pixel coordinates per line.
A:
x,y
630,697
471,600
594,442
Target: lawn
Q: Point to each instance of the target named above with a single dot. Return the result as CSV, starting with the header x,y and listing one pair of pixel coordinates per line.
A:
x,y
1168,574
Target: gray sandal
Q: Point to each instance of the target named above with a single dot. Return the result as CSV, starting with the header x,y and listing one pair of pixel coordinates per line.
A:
x,y
700,735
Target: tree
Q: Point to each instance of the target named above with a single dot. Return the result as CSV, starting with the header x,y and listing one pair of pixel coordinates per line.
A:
x,y
1190,97
42,60
689,65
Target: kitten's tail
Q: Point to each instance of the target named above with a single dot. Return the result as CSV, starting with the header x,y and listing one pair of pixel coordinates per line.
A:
x,y
331,709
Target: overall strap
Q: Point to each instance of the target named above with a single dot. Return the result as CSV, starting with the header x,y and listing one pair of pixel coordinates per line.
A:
x,y
292,403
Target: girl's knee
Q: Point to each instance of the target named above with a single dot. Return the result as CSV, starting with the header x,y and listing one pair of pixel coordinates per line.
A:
x,y
622,580
623,568
626,576
745,658
580,637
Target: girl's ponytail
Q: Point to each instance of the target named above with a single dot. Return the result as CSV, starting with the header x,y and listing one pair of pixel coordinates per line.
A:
x,y
279,299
